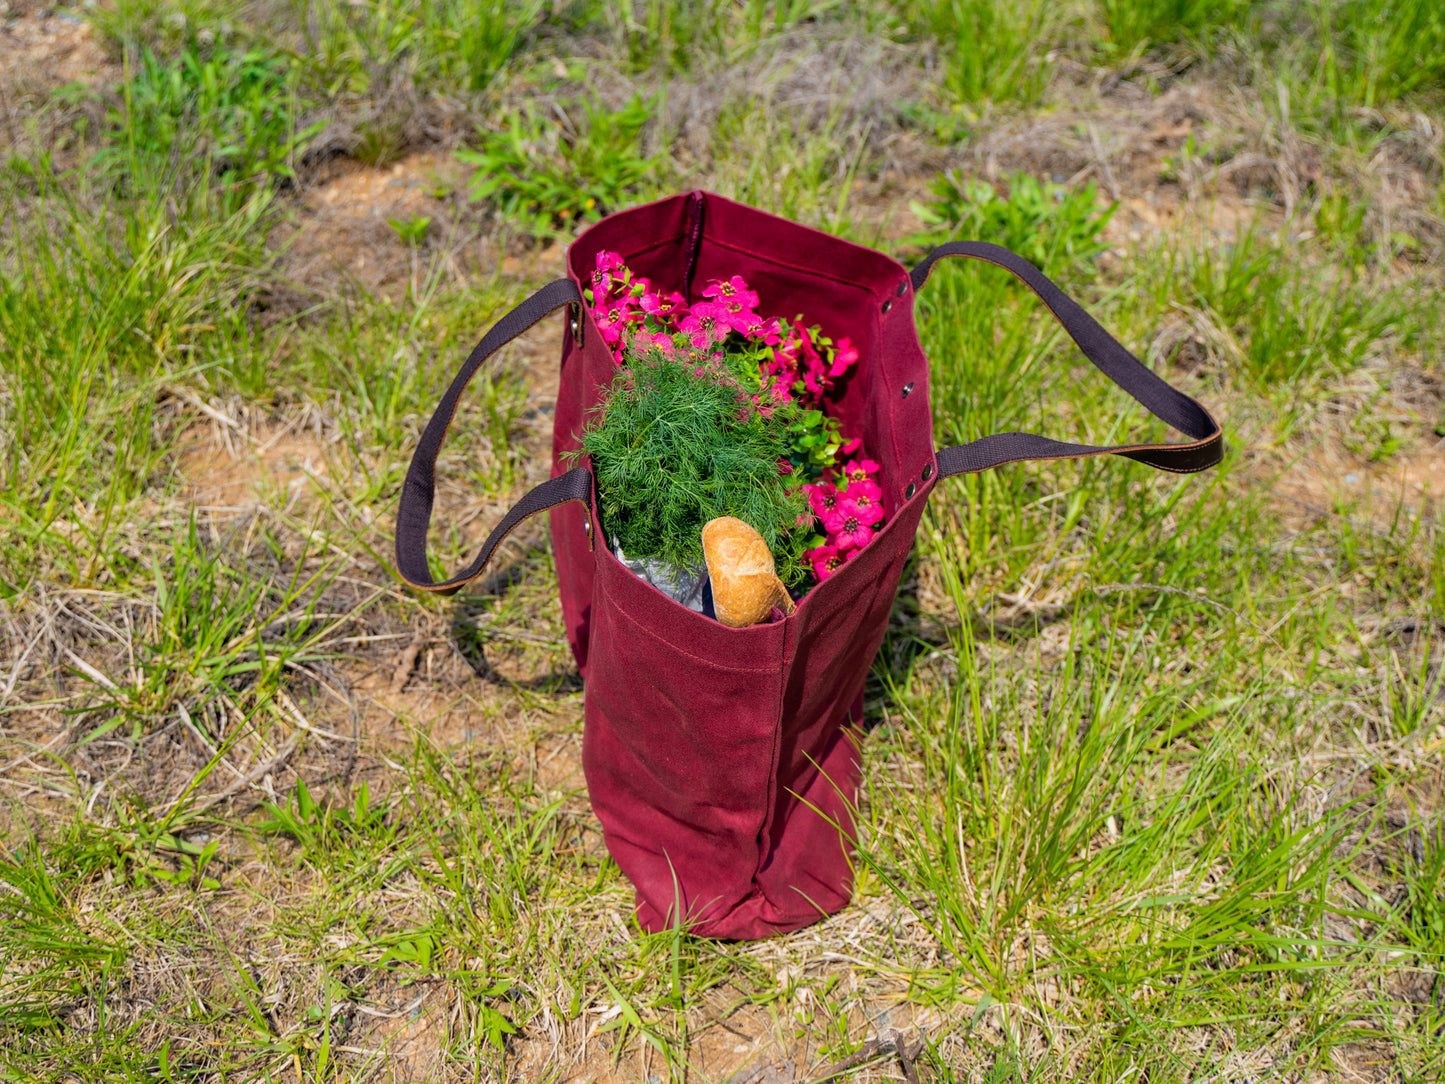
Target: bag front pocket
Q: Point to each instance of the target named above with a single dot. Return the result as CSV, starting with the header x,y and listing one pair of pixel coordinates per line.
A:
x,y
681,743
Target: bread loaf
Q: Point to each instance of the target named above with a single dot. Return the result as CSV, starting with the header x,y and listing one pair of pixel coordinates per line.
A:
x,y
745,584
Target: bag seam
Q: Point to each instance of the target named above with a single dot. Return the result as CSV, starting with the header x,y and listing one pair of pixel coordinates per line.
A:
x,y
764,842
809,272
681,651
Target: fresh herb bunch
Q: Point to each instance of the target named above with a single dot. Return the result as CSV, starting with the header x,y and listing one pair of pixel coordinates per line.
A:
x,y
678,443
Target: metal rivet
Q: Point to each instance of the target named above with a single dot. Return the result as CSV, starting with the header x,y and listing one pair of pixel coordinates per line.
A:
x,y
907,390
887,305
909,491
928,472
902,288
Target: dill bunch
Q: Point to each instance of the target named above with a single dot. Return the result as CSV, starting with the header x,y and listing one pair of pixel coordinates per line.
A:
x,y
677,443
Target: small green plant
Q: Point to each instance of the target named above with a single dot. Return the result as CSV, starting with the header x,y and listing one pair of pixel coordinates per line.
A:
x,y
420,947
320,828
672,451
544,174
482,994
1048,224
413,230
1175,168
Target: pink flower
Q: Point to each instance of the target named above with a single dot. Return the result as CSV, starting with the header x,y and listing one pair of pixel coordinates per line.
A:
x,y
809,353
660,305
769,330
643,339
701,327
786,350
733,290
738,320
860,472
610,321
844,356
602,277
850,446
845,524
869,509
601,288
825,560
866,488
823,498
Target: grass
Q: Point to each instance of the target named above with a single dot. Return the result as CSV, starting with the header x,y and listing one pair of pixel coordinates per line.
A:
x,y
1153,778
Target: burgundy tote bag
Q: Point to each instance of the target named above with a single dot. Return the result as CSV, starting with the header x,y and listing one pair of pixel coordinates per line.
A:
x,y
723,763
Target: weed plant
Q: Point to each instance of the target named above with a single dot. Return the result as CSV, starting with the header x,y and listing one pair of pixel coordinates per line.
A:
x,y
1053,227
102,312
545,176
437,46
1278,323
676,38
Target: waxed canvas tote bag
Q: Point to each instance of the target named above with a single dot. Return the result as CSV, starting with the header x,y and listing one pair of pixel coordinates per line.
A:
x,y
723,763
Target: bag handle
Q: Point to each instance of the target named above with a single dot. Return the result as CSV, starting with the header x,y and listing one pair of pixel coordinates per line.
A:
x,y
413,518
1165,402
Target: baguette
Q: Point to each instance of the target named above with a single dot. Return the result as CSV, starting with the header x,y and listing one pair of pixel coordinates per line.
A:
x,y
745,584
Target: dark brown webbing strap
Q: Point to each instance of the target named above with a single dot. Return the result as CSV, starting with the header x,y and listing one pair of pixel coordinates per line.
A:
x,y
418,491
1156,396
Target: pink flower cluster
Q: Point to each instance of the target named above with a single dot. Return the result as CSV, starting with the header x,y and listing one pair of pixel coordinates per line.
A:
x,y
799,369
794,364
631,314
850,509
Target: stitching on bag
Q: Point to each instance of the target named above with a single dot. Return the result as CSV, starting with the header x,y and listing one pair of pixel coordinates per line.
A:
x,y
657,245
696,658
789,635
810,272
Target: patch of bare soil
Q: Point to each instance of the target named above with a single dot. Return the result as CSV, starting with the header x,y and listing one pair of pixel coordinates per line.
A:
x,y
1332,481
42,48
227,474
41,51
353,219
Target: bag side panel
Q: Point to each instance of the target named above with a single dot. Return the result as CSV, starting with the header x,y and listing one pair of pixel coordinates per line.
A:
x,y
586,374
570,545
